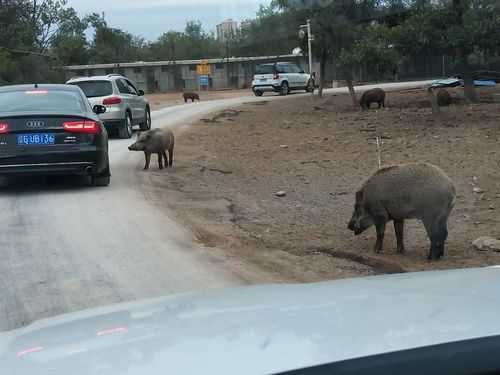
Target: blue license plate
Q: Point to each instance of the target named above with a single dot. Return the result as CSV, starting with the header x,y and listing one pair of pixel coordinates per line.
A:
x,y
35,139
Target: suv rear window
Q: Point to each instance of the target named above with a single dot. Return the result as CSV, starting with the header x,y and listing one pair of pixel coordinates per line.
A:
x,y
93,89
264,69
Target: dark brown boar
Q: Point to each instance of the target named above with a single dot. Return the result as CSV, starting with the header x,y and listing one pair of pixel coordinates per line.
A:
x,y
408,191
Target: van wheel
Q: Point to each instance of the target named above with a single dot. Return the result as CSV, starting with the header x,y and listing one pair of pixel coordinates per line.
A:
x,y
146,125
285,89
126,129
258,93
310,86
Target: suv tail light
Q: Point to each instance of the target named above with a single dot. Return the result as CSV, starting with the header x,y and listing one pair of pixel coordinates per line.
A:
x,y
112,100
276,76
4,127
82,126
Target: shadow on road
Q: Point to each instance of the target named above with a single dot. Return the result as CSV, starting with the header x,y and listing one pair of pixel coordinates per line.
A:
x,y
15,185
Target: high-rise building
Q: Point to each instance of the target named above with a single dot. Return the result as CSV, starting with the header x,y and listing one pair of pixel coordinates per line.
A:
x,y
226,29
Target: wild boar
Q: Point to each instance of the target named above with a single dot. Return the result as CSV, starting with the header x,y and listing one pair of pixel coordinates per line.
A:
x,y
156,141
407,191
372,96
443,98
190,95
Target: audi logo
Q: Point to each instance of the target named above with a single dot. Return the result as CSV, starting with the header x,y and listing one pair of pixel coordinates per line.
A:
x,y
35,124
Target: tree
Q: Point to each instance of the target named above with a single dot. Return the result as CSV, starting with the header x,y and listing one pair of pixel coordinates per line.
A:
x,y
69,44
336,27
113,45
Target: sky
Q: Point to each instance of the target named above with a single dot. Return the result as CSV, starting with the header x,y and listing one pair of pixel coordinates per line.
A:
x,y
151,18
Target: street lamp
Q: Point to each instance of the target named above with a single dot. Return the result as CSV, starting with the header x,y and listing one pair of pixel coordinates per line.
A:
x,y
310,38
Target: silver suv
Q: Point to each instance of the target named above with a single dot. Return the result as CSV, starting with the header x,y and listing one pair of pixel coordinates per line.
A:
x,y
125,104
281,77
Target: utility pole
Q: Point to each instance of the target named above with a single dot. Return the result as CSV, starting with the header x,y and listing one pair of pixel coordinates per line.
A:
x,y
310,38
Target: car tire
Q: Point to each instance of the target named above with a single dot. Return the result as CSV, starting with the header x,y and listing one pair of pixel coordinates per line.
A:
x,y
310,86
258,93
285,88
101,179
146,125
126,128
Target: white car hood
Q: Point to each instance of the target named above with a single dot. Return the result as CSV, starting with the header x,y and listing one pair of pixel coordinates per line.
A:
x,y
261,329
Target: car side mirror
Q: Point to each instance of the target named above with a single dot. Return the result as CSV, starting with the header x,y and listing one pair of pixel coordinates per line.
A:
x,y
98,109
301,71
141,92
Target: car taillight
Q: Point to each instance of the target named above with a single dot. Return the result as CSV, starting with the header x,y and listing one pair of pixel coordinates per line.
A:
x,y
111,101
276,76
83,126
4,127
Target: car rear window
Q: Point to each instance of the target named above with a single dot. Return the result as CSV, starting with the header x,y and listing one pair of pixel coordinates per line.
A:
x,y
41,101
264,69
93,89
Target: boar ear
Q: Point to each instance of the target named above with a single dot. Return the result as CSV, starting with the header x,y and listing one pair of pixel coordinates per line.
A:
x,y
359,196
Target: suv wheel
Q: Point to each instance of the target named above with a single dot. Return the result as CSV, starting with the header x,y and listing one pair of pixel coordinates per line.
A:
x,y
258,93
126,129
146,125
285,89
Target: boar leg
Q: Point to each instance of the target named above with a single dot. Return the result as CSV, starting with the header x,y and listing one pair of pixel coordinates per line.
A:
x,y
442,236
171,156
399,226
160,160
147,155
380,227
432,228
165,158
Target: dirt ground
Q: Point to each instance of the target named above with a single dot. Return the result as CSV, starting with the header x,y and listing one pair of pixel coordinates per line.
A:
x,y
230,166
162,100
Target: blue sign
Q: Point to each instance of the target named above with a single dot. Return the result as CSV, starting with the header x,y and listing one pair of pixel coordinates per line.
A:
x,y
203,80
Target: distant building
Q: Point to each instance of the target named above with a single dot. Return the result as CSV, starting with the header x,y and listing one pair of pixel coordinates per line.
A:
x,y
226,29
245,24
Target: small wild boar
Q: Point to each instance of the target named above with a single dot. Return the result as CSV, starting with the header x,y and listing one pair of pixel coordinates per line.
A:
x,y
443,98
190,95
372,96
407,191
156,141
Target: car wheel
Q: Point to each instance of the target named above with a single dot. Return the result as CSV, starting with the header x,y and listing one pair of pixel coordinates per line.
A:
x,y
101,179
126,129
285,89
258,93
146,125
310,86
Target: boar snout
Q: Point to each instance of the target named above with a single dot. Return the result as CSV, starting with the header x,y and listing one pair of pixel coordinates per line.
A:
x,y
135,147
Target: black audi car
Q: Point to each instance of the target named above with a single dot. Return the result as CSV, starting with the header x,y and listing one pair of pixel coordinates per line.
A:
x,y
51,129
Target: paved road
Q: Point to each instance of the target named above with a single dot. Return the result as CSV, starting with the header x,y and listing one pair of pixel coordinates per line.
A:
x,y
66,247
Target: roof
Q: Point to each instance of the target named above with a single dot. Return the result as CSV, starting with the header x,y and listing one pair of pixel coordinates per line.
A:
x,y
178,62
262,329
107,77
38,86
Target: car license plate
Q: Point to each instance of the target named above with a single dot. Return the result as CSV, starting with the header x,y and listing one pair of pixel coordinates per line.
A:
x,y
263,79
35,139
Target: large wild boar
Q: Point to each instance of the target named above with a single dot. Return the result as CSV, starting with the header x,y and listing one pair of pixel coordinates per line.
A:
x,y
372,96
190,95
407,191
443,98
156,141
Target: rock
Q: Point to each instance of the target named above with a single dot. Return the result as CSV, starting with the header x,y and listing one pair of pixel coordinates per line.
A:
x,y
284,146
486,243
477,190
280,193
491,207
